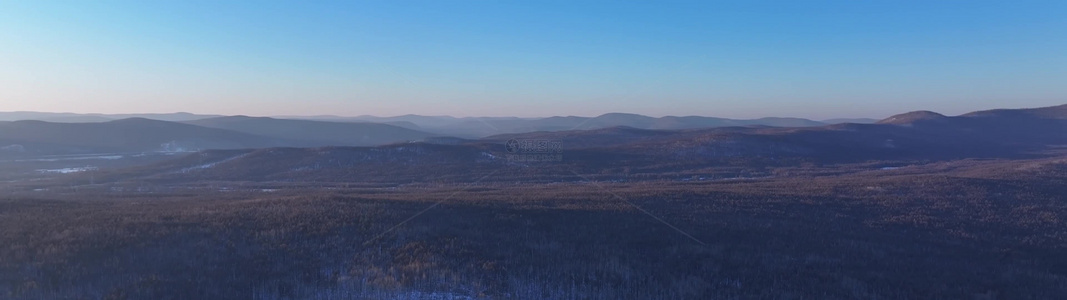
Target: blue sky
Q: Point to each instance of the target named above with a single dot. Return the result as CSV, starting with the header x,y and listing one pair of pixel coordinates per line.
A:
x,y
743,59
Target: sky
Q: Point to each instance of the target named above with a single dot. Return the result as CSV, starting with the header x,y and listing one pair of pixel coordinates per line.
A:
x,y
741,59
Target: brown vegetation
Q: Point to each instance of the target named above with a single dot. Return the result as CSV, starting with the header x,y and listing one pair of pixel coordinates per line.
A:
x,y
960,229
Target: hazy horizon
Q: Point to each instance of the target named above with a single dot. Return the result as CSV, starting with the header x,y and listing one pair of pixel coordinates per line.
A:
x,y
405,114
955,112
524,117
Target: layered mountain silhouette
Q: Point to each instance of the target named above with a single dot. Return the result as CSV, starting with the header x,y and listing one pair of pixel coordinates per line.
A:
x,y
127,135
463,127
316,133
96,118
915,136
481,127
28,138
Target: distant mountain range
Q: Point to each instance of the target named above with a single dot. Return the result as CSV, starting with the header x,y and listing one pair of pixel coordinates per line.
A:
x,y
468,127
32,138
96,118
316,133
121,136
916,136
475,127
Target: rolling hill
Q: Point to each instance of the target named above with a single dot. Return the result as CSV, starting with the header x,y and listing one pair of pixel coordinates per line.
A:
x,y
466,127
921,136
916,136
476,127
95,118
127,135
316,133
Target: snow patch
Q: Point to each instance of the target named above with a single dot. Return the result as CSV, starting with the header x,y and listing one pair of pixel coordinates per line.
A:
x,y
13,148
66,170
174,147
212,164
74,157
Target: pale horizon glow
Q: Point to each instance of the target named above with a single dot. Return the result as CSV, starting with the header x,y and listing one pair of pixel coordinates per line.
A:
x,y
847,59
519,115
